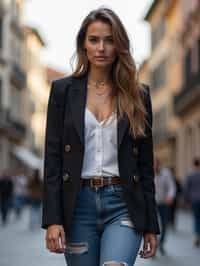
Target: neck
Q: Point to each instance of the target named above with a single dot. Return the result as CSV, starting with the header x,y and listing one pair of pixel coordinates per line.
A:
x,y
99,74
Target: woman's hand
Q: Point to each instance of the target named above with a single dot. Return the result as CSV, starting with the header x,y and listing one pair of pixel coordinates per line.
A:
x,y
55,238
149,246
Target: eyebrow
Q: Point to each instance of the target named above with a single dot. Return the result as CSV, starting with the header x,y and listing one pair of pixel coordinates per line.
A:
x,y
95,36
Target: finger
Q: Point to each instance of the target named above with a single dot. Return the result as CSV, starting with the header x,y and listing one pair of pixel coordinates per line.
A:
x,y
151,251
51,243
59,242
59,248
144,247
145,244
57,245
63,241
153,247
148,254
48,243
145,251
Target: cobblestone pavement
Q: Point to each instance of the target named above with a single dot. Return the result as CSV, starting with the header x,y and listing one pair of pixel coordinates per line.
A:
x,y
21,247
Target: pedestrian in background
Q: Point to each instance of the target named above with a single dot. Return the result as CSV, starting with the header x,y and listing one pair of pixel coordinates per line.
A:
x,y
165,193
20,193
192,195
99,189
35,189
6,195
175,203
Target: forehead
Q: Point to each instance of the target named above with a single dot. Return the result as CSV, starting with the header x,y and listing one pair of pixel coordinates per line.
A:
x,y
99,28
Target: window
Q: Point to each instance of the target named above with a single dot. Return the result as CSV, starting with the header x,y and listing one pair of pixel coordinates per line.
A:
x,y
16,10
199,55
157,33
158,75
160,120
188,64
192,64
1,32
16,103
0,95
15,48
194,59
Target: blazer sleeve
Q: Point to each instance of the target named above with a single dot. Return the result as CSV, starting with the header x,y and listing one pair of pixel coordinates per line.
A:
x,y
146,168
52,203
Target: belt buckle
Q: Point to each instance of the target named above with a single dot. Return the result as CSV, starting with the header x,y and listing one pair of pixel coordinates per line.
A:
x,y
92,185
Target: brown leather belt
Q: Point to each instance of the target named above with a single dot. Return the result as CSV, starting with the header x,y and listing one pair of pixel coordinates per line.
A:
x,y
100,181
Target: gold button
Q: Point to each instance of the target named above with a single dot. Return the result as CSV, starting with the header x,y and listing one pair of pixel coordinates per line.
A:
x,y
136,178
67,147
66,177
135,151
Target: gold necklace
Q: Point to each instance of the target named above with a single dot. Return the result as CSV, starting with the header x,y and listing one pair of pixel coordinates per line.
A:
x,y
97,85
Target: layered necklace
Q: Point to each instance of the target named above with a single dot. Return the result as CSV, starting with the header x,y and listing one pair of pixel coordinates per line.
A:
x,y
100,88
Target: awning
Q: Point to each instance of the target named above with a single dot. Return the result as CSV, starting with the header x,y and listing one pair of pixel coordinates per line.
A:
x,y
27,157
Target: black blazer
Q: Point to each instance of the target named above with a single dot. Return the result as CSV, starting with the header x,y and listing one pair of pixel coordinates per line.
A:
x,y
64,150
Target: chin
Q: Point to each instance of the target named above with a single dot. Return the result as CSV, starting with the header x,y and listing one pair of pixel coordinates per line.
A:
x,y
102,65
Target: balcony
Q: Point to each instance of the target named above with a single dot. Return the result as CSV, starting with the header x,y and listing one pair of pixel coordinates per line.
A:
x,y
161,135
13,128
3,119
17,28
17,129
188,96
158,75
18,76
2,9
2,60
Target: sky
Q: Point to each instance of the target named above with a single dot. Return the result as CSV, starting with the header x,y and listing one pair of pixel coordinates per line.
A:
x,y
59,21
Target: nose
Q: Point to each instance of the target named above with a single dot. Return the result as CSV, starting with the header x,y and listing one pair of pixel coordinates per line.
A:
x,y
101,46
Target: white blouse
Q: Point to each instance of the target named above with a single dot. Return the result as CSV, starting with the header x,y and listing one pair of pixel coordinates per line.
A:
x,y
100,156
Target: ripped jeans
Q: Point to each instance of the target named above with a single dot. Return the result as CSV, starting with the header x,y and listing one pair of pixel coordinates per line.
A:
x,y
102,232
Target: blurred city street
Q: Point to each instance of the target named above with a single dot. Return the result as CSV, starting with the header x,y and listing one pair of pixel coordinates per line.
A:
x,y
161,49
21,247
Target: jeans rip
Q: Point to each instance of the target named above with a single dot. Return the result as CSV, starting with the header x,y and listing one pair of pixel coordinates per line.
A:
x,y
76,247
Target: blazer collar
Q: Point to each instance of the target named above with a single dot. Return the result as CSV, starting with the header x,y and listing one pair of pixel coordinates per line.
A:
x,y
77,101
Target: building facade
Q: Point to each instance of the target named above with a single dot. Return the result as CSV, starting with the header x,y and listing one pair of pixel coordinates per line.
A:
x,y
12,81
164,18
24,91
37,86
187,100
172,70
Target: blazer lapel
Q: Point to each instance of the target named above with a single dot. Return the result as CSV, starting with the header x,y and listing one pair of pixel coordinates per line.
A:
x,y
122,126
77,101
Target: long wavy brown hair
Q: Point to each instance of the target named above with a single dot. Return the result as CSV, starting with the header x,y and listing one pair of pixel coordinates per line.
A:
x,y
124,73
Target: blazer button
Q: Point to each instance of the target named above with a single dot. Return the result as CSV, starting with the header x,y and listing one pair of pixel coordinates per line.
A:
x,y
66,177
67,147
135,151
136,178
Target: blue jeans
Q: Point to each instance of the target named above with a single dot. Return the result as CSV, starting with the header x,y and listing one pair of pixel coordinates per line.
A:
x,y
196,214
101,231
163,211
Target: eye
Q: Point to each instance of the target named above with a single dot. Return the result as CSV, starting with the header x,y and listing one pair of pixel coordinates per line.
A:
x,y
110,40
93,40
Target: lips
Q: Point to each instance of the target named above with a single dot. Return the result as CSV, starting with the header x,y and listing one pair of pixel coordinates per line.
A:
x,y
101,57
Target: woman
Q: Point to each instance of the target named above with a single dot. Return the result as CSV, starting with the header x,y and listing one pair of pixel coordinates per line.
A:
x,y
35,198
98,174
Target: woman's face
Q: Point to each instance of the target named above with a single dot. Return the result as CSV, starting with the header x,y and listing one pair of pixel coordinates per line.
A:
x,y
99,45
